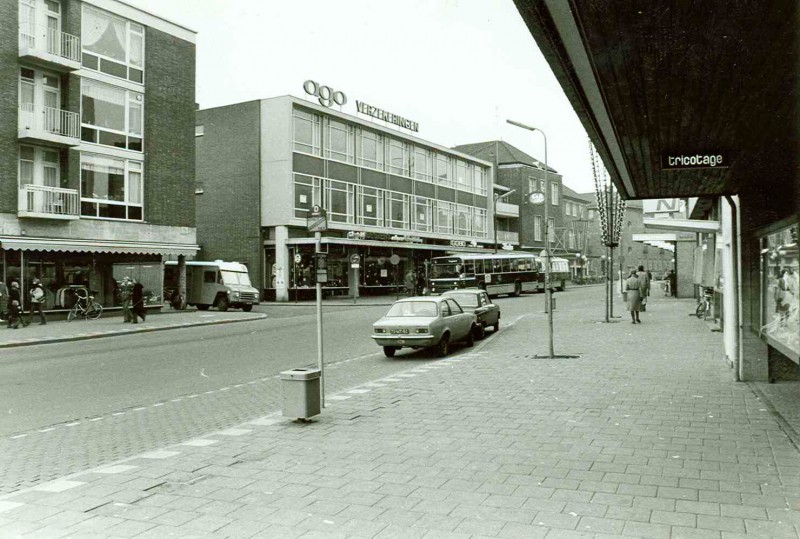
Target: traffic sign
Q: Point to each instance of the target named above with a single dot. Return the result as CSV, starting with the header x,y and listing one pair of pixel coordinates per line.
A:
x,y
297,258
394,260
317,220
355,261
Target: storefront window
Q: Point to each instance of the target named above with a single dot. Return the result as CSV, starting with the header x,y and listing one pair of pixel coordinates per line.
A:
x,y
780,290
150,274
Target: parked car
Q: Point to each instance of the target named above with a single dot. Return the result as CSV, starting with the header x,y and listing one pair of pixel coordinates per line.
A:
x,y
477,301
424,322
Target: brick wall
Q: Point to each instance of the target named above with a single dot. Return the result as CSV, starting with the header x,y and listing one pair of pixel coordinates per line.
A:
x,y
9,65
229,172
169,130
517,178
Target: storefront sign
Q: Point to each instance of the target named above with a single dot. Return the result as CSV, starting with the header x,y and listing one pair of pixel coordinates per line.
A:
x,y
694,160
408,239
458,243
381,114
353,235
662,205
326,95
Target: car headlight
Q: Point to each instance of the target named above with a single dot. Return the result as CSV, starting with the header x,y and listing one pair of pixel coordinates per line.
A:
x,y
422,330
236,294
380,330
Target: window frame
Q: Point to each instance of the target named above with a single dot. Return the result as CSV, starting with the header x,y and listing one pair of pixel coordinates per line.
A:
x,y
127,132
379,162
131,28
396,144
538,227
349,131
126,189
314,147
427,155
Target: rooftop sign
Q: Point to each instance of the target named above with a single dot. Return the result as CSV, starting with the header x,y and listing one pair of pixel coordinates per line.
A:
x,y
381,114
676,161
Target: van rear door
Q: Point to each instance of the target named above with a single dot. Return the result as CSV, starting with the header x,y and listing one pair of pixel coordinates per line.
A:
x,y
209,286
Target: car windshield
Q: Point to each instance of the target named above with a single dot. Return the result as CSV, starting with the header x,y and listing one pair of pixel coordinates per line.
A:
x,y
235,277
465,300
440,271
412,308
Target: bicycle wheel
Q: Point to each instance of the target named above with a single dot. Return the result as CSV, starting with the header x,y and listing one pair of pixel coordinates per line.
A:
x,y
72,313
701,310
94,312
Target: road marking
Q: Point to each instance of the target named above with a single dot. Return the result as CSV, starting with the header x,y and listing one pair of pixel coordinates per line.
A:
x,y
159,404
192,396
160,454
234,432
224,389
139,409
72,424
390,380
406,375
176,400
200,443
359,391
47,430
239,385
18,436
375,384
208,392
338,398
118,413
58,486
96,419
119,468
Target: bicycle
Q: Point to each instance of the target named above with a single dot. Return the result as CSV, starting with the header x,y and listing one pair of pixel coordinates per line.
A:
x,y
667,288
86,306
704,306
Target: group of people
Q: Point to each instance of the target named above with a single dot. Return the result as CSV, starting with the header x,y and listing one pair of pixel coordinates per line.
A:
x,y
11,304
131,295
637,288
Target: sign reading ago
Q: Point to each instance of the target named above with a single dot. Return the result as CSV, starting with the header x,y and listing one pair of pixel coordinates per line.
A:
x,y
681,160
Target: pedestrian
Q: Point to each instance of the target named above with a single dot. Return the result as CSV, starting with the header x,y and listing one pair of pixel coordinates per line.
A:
x,y
633,289
411,282
125,293
3,302
37,297
14,306
673,282
137,297
644,277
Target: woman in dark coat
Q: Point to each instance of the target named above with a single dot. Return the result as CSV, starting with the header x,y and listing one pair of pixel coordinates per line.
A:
x,y
138,302
633,288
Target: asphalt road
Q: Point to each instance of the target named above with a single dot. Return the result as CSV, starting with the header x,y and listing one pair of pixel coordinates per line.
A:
x,y
69,406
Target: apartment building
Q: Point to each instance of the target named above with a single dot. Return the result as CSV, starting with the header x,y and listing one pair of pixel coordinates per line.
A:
x,y
97,104
392,199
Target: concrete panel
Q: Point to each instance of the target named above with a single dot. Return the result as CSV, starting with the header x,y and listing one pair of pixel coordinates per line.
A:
x,y
425,189
464,198
373,178
306,164
448,195
342,172
400,184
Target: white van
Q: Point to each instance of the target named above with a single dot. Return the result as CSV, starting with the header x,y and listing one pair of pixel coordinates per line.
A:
x,y
214,284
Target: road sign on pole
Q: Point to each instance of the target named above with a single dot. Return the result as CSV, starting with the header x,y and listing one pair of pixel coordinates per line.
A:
x,y
317,220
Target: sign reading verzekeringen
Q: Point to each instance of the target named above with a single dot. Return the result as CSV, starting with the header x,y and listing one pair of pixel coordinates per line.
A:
x,y
381,114
679,160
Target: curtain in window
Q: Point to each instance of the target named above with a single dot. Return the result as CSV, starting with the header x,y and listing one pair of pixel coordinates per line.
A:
x,y
103,34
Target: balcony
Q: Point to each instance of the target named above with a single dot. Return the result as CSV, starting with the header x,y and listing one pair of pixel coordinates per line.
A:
x,y
43,202
48,125
507,210
49,48
507,237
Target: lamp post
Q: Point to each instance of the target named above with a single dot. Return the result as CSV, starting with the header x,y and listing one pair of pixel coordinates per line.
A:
x,y
496,198
548,294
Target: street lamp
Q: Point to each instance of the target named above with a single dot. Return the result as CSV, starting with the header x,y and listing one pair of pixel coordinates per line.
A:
x,y
496,198
548,294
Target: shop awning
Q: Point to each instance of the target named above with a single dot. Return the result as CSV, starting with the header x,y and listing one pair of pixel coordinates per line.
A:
x,y
96,246
376,243
684,225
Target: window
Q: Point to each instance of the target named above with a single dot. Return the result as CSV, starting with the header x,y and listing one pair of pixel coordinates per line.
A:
x,y
455,308
340,201
463,174
551,229
307,192
398,157
306,132
111,188
554,193
111,116
340,144
422,214
570,239
537,228
39,165
371,150
112,45
462,220
568,208
443,170
370,206
480,180
423,164
398,210
444,217
199,130
532,185
479,222
210,277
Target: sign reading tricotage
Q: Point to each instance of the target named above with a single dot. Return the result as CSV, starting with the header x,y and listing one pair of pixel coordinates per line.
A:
x,y
674,161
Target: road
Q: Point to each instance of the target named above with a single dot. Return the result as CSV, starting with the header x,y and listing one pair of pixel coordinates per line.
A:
x,y
70,406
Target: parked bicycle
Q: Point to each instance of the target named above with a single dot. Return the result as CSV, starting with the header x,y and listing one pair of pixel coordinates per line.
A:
x,y
704,307
85,306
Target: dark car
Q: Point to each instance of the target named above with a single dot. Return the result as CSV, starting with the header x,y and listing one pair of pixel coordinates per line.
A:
x,y
477,301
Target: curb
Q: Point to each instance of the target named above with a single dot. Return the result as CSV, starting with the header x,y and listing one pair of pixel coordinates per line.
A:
x,y
87,336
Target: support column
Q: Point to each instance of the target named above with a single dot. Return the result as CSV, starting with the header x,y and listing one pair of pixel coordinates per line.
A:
x,y
181,281
281,264
684,268
353,275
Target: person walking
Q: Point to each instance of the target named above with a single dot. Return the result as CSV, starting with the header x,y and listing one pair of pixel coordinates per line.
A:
x,y
14,306
125,296
633,289
644,277
137,297
3,302
37,297
410,282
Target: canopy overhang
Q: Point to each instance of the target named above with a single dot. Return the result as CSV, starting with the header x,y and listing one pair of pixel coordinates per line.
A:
x,y
95,246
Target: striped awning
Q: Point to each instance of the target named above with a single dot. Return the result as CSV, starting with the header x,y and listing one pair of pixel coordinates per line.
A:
x,y
96,246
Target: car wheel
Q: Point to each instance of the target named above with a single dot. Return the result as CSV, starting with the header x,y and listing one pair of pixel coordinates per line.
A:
x,y
470,340
247,308
443,348
389,351
497,326
222,304
480,332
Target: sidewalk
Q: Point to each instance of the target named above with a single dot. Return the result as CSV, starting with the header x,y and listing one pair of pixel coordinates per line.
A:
x,y
644,435
61,330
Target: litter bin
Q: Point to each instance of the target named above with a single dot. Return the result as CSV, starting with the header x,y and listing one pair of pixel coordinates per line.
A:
x,y
300,389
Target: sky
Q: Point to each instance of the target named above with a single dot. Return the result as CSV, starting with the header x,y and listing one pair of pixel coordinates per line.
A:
x,y
459,68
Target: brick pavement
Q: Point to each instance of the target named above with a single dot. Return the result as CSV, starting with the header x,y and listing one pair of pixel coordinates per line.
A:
x,y
645,434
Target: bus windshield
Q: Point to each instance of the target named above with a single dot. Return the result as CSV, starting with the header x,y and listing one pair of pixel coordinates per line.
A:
x,y
446,270
235,277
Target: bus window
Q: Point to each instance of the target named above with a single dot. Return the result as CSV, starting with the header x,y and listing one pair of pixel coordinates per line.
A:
x,y
470,267
520,264
496,265
506,265
443,270
479,267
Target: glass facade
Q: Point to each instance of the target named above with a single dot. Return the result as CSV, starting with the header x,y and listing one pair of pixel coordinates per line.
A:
x,y
779,303
112,45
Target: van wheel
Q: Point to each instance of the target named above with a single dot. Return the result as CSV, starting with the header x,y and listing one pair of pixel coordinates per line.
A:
x,y
517,289
497,326
247,308
203,306
222,304
389,351
443,348
470,340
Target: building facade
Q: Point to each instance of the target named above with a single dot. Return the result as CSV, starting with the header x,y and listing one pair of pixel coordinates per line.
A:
x,y
96,146
392,200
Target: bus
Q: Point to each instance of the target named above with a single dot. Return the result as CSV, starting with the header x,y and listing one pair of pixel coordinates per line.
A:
x,y
559,272
497,273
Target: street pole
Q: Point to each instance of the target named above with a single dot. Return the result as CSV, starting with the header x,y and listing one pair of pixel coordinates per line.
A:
x,y
320,361
608,282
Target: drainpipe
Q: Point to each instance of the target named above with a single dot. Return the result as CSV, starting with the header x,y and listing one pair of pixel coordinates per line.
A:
x,y
737,285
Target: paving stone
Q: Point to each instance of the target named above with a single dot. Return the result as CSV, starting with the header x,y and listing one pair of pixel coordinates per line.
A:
x,y
673,518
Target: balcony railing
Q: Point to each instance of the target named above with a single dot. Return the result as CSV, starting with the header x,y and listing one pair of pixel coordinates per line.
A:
x,y
45,201
41,38
507,237
507,210
54,121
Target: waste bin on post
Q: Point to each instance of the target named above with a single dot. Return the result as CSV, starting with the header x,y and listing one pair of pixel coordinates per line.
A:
x,y
300,389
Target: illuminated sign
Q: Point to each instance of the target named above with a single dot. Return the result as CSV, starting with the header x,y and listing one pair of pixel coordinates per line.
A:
x,y
697,160
326,95
381,114
663,205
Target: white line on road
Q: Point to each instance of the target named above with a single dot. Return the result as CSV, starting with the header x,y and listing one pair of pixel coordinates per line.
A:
x,y
47,430
96,419
74,423
139,409
18,436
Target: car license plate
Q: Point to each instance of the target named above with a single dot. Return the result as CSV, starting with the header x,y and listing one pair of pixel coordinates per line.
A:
x,y
396,331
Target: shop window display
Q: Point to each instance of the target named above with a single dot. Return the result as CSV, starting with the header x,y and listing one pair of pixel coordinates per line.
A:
x,y
150,274
780,289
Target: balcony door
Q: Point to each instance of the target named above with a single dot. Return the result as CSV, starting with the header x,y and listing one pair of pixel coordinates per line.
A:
x,y
39,100
39,165
53,26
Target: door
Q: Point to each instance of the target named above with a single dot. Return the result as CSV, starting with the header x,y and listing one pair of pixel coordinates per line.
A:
x,y
53,27
40,169
209,285
27,23
39,100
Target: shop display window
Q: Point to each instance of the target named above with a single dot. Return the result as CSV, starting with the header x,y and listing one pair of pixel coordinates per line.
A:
x,y
150,274
779,288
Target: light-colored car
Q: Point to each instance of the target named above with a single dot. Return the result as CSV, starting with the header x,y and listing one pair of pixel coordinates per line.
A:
x,y
477,301
424,322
